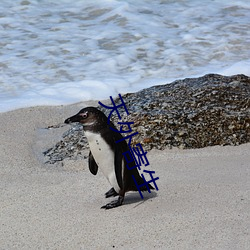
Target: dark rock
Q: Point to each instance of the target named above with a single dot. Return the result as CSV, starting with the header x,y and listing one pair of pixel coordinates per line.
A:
x,y
190,113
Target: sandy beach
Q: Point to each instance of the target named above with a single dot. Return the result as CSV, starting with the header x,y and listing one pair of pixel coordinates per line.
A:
x,y
203,200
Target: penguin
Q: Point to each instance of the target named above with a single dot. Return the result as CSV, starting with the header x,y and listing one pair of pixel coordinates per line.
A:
x,y
107,155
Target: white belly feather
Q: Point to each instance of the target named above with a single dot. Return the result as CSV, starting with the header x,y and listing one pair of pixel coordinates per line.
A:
x,y
104,157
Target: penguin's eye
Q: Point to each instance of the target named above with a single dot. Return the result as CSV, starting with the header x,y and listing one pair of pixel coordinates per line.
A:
x,y
84,115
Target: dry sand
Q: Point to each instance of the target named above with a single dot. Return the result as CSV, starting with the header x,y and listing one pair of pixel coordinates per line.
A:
x,y
203,200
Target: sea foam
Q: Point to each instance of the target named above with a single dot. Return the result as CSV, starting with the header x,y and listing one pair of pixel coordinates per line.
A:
x,y
63,52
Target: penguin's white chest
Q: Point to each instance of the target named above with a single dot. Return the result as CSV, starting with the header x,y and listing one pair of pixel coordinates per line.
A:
x,y
104,157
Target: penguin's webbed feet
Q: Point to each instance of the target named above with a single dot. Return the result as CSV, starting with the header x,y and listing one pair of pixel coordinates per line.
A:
x,y
111,193
113,204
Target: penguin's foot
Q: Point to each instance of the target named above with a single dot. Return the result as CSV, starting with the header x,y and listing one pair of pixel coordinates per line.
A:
x,y
111,193
113,204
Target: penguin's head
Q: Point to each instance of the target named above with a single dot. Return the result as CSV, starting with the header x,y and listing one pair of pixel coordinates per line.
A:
x,y
89,117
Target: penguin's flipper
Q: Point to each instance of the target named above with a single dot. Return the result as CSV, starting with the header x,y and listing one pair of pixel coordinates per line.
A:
x,y
111,193
118,165
113,204
93,167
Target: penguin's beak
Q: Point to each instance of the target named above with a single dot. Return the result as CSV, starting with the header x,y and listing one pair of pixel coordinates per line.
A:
x,y
74,118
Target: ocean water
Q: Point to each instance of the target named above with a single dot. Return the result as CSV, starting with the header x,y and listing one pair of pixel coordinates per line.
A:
x,y
61,52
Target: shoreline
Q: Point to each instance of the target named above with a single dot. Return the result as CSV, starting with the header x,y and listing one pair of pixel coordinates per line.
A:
x,y
202,202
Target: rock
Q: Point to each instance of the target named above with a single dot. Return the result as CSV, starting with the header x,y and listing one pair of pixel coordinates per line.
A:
x,y
190,113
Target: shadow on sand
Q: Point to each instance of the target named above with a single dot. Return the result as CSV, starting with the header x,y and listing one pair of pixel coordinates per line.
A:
x,y
135,198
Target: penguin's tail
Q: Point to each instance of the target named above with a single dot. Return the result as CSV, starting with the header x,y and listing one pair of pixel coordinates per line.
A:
x,y
144,187
141,183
